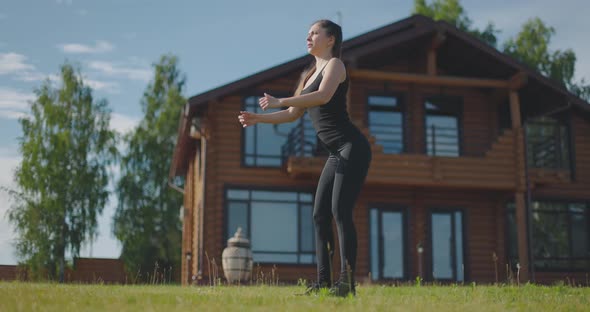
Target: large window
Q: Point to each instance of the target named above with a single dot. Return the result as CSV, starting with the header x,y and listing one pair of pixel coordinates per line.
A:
x,y
262,142
278,224
447,245
547,144
387,228
386,122
443,117
561,235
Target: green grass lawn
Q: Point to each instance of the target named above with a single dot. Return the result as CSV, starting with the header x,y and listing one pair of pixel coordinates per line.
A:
x,y
18,296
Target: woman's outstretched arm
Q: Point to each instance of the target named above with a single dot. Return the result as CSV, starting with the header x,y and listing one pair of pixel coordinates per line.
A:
x,y
287,115
333,74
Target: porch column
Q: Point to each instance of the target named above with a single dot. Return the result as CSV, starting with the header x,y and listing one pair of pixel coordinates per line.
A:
x,y
187,229
520,194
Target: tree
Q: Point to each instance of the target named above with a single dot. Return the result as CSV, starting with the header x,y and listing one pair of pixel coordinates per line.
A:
x,y
62,179
531,46
452,12
147,218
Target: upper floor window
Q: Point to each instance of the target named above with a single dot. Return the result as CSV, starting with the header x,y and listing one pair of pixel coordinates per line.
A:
x,y
262,142
443,117
547,144
386,117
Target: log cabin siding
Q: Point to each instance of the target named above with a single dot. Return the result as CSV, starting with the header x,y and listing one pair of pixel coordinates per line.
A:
x,y
224,167
489,173
484,218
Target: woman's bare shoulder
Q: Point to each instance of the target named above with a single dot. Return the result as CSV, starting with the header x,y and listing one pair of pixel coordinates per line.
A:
x,y
336,66
336,63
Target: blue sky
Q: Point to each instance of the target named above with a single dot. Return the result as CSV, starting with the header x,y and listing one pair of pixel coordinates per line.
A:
x,y
217,42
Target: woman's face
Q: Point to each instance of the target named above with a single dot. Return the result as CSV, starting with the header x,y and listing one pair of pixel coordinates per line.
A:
x,y
318,40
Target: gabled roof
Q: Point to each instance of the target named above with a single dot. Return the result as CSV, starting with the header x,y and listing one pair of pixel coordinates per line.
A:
x,y
403,31
396,33
512,62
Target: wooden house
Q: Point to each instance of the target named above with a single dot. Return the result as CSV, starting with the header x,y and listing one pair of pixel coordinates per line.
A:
x,y
480,171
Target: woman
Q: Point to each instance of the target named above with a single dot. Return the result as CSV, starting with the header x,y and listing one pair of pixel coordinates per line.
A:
x,y
323,93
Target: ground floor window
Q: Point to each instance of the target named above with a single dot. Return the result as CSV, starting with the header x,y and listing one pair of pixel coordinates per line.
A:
x,y
560,235
279,224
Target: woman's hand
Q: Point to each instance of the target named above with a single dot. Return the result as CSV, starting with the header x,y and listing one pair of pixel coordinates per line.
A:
x,y
247,119
269,101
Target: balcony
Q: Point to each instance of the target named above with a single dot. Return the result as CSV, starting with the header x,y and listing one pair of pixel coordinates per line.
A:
x,y
548,153
495,170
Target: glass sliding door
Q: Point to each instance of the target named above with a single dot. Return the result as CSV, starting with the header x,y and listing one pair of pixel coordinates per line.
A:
x,y
447,245
387,236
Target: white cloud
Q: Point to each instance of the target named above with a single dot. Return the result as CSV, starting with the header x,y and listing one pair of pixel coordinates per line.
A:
x,y
13,63
30,76
10,114
14,103
37,76
101,46
108,68
14,99
9,160
97,85
122,123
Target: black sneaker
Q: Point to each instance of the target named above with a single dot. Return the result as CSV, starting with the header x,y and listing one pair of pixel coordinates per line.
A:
x,y
342,289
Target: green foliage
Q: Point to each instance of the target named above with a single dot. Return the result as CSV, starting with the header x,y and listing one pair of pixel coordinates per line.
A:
x,y
62,179
147,218
451,11
531,46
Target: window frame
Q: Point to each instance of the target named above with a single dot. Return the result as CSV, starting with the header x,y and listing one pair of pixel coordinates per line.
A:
x,y
429,255
459,115
534,259
562,121
401,108
300,252
243,137
384,207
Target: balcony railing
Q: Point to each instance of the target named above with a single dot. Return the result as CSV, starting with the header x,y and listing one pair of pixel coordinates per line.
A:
x,y
442,141
547,150
301,141
388,135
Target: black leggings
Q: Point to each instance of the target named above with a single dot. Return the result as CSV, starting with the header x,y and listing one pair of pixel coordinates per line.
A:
x,y
338,188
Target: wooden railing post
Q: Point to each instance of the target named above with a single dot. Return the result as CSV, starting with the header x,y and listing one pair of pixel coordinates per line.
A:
x,y
433,141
